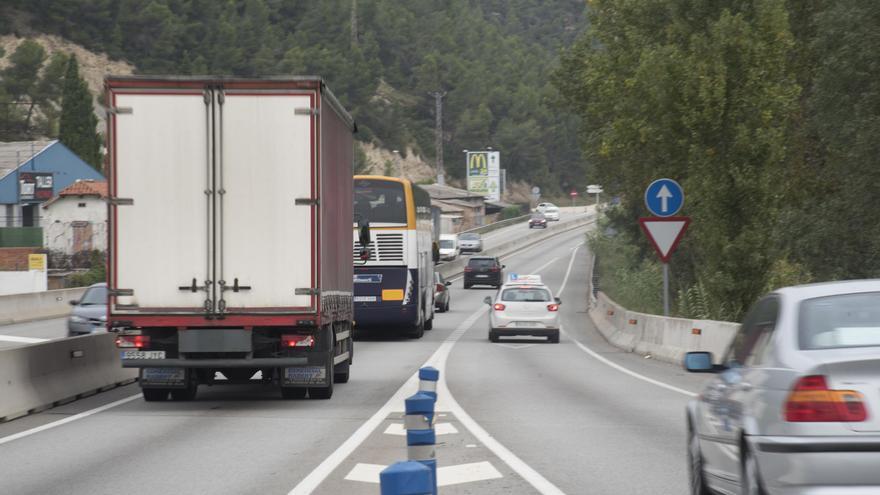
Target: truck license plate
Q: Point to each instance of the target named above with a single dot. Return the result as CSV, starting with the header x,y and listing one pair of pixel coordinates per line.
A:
x,y
364,298
143,354
305,375
163,375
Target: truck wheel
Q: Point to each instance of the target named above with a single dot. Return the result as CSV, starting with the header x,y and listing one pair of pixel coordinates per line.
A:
x,y
322,393
418,331
155,394
185,394
342,372
289,393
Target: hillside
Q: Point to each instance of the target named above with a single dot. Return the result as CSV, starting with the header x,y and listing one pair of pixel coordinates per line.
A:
x,y
490,57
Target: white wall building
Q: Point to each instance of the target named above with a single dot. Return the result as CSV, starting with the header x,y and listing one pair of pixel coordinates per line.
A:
x,y
76,219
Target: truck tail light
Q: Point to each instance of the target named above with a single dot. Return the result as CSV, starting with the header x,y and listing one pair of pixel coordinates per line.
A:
x,y
499,307
812,401
553,307
135,341
297,340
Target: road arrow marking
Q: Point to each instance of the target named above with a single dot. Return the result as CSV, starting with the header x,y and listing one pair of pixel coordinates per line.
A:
x,y
446,475
664,196
439,429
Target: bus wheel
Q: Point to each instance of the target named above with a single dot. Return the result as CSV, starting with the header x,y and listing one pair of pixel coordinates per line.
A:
x,y
429,325
419,330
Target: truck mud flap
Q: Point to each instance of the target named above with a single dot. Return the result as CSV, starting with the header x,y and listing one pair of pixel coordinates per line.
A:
x,y
163,377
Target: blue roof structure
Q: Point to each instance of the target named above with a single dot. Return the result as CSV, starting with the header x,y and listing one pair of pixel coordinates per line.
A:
x,y
56,159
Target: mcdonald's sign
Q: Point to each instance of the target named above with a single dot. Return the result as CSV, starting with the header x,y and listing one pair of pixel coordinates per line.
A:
x,y
483,174
478,164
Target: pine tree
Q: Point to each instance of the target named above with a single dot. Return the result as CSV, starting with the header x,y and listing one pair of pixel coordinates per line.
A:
x,y
78,119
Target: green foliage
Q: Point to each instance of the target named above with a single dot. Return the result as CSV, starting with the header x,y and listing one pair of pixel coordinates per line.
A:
x,y
78,121
30,93
491,57
510,212
97,272
628,278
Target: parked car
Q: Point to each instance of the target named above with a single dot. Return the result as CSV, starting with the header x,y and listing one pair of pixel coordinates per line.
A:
x,y
551,213
794,406
483,270
449,249
89,314
470,242
524,307
441,293
538,221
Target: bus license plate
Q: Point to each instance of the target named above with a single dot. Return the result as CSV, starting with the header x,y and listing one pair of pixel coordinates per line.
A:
x,y
143,354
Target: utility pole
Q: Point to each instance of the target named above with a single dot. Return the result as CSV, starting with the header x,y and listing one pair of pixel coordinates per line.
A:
x,y
438,135
354,24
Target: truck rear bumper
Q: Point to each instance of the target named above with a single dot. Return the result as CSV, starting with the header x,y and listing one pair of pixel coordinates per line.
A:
x,y
216,363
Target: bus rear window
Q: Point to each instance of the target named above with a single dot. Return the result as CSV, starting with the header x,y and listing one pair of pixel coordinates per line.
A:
x,y
379,201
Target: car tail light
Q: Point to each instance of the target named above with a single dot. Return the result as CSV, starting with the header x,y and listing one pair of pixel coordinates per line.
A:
x,y
441,287
468,269
297,340
499,307
553,307
812,401
136,341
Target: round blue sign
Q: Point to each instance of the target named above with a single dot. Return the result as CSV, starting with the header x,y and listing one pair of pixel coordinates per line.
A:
x,y
664,197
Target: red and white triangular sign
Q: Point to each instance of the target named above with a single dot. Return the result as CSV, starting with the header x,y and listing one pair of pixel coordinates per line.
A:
x,y
665,233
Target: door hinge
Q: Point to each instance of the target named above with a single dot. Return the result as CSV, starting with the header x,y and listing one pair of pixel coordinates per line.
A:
x,y
120,201
119,110
307,202
120,292
308,291
307,111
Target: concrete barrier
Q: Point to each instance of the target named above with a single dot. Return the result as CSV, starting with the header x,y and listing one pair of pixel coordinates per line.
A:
x,y
39,376
667,339
17,308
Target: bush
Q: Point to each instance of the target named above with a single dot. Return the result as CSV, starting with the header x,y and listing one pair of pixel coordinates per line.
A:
x,y
97,272
510,212
634,283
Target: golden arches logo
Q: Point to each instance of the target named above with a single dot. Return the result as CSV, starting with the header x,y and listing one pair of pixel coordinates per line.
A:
x,y
478,165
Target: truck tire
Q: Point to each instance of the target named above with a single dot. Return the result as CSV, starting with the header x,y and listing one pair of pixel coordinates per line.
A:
x,y
342,372
322,393
429,325
185,394
155,394
290,393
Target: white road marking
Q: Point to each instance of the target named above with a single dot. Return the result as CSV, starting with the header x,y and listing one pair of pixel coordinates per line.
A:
x,y
446,475
518,346
20,340
439,429
69,419
604,360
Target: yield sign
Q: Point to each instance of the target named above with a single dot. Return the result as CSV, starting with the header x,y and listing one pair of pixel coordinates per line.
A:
x,y
665,233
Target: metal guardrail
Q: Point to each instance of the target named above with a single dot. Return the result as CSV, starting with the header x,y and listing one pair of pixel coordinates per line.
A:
x,y
495,225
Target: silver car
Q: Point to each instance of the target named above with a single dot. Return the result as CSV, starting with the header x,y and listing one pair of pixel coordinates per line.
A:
x,y
524,309
89,314
470,242
794,408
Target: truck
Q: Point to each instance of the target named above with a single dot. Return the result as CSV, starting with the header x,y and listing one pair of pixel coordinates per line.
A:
x,y
230,214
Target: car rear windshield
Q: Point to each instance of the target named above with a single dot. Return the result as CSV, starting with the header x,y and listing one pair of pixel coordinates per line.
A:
x,y
447,244
481,263
469,237
525,295
846,320
95,295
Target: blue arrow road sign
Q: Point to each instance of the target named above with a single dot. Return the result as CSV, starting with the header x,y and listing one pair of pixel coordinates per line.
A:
x,y
664,197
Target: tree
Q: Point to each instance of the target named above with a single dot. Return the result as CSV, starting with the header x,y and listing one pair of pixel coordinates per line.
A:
x,y
20,80
78,121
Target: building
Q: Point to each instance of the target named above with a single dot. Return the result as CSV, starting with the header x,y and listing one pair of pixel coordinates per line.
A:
x,y
76,219
460,210
31,173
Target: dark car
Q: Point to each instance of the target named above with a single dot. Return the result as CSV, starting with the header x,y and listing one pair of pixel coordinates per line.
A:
x,y
441,293
89,314
483,270
538,220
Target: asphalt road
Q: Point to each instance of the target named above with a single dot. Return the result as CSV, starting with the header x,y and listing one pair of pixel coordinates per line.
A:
x,y
515,417
32,332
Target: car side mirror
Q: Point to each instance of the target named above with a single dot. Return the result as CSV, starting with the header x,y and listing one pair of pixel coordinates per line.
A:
x,y
447,283
503,266
73,302
488,300
699,362
557,300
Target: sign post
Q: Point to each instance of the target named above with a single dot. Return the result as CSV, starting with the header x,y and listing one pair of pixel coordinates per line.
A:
x,y
574,195
664,198
595,189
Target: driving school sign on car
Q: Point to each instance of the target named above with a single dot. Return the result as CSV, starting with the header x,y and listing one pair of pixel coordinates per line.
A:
x,y
484,174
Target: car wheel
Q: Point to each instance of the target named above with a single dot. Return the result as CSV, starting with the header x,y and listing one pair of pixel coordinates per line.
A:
x,y
750,478
553,339
493,337
446,307
467,286
695,465
155,394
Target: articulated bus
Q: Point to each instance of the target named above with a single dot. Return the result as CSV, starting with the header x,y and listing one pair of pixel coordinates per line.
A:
x,y
394,287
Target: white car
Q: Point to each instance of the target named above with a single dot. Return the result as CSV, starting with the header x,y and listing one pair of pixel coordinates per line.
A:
x,y
543,206
449,249
524,306
551,213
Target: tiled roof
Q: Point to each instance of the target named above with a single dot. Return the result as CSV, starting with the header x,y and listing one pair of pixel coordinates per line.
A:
x,y
96,188
437,191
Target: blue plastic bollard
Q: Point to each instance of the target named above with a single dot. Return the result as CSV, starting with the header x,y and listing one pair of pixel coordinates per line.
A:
x,y
406,478
420,436
428,377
